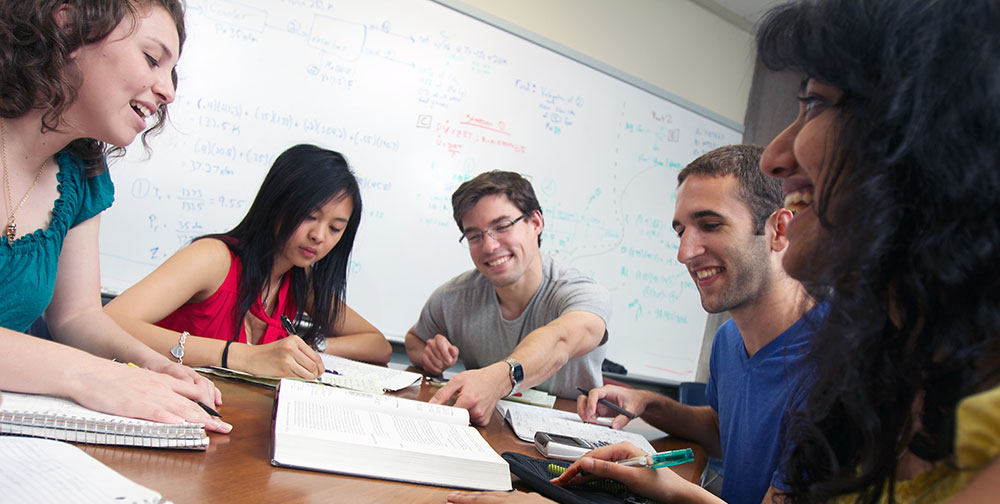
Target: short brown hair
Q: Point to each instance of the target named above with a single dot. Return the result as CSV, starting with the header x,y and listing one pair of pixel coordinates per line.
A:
x,y
760,193
517,189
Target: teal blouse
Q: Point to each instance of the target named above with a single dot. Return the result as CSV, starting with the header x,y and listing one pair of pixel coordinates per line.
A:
x,y
28,265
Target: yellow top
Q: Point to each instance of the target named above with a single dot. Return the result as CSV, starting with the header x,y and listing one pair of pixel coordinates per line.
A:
x,y
977,443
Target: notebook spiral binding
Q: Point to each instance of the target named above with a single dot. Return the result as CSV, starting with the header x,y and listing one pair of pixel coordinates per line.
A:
x,y
106,432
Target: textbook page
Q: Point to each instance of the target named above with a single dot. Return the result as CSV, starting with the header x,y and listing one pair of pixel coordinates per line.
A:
x,y
43,471
321,396
526,420
342,431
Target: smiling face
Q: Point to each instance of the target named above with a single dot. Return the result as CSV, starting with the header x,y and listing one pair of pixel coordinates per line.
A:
x,y
799,155
506,257
316,235
124,78
726,260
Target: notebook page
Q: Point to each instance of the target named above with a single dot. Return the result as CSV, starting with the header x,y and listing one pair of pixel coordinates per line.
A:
x,y
391,379
45,471
526,420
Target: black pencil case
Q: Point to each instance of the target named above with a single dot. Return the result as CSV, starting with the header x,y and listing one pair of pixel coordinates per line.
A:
x,y
534,473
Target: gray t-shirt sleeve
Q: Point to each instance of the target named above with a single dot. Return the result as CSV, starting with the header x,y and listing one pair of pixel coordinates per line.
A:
x,y
581,293
432,316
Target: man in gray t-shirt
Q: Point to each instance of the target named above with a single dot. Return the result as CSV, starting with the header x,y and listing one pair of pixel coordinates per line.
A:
x,y
519,319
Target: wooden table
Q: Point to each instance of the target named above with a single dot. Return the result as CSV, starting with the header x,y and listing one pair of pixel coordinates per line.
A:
x,y
236,467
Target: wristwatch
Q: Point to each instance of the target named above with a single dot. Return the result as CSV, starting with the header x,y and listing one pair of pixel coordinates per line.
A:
x,y
516,375
320,344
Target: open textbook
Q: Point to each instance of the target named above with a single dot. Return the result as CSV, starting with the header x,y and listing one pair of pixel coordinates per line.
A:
x,y
57,418
526,420
346,373
43,471
343,431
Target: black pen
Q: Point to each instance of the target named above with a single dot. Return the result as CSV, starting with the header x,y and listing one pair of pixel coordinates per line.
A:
x,y
208,410
287,324
619,409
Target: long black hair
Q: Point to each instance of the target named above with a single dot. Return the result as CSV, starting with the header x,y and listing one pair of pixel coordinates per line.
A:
x,y
301,180
909,257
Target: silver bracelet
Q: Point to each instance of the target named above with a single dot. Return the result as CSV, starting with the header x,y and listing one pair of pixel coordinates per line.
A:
x,y
178,350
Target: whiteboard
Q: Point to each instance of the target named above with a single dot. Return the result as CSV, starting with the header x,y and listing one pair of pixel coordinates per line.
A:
x,y
420,97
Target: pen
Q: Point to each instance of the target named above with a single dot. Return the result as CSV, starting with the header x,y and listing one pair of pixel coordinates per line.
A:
x,y
662,459
208,410
204,406
619,409
287,324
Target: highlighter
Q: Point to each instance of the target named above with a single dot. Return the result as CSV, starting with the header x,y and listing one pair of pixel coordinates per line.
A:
x,y
662,459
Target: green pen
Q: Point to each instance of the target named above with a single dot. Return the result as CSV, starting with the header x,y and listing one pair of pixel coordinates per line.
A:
x,y
662,459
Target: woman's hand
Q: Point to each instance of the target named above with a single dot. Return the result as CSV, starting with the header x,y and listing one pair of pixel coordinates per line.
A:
x,y
140,393
496,498
287,357
659,484
207,394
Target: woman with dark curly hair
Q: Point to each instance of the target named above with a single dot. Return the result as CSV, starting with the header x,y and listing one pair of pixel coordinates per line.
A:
x,y
893,167
80,79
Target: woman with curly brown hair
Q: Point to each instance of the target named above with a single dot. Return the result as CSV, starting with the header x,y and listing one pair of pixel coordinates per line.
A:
x,y
80,80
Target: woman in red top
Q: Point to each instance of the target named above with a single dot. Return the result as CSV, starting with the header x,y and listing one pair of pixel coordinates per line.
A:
x,y
220,300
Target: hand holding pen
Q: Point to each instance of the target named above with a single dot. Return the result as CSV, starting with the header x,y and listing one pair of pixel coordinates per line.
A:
x,y
605,401
616,463
203,406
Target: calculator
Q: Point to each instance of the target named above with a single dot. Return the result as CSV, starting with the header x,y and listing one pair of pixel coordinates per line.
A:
x,y
562,447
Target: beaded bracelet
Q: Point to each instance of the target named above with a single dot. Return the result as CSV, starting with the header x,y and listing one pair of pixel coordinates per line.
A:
x,y
178,350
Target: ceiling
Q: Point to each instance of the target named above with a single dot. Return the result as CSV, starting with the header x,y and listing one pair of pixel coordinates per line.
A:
x,y
742,13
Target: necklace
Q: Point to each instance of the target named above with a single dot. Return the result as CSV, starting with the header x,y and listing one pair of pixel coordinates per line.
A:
x,y
11,231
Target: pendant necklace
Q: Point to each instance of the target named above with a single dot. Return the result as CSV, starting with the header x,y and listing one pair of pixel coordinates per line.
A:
x,y
11,230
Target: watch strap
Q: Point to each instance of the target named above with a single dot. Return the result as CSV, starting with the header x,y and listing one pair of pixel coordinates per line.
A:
x,y
516,375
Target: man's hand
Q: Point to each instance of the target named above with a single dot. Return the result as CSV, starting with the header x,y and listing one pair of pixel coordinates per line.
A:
x,y
439,354
629,399
478,391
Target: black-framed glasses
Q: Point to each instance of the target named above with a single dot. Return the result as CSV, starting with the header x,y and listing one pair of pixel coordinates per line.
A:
x,y
474,239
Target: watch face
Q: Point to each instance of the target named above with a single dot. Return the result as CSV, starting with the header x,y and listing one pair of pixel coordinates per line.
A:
x,y
518,373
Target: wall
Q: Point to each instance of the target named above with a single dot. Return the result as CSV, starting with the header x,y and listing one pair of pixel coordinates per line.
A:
x,y
675,45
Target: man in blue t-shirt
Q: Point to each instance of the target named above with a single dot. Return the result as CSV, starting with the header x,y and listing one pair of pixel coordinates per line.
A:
x,y
731,223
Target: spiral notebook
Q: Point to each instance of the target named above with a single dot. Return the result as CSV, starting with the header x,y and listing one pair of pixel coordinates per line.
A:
x,y
56,418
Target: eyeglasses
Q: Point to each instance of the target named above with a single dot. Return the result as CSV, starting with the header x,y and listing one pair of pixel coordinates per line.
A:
x,y
474,239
